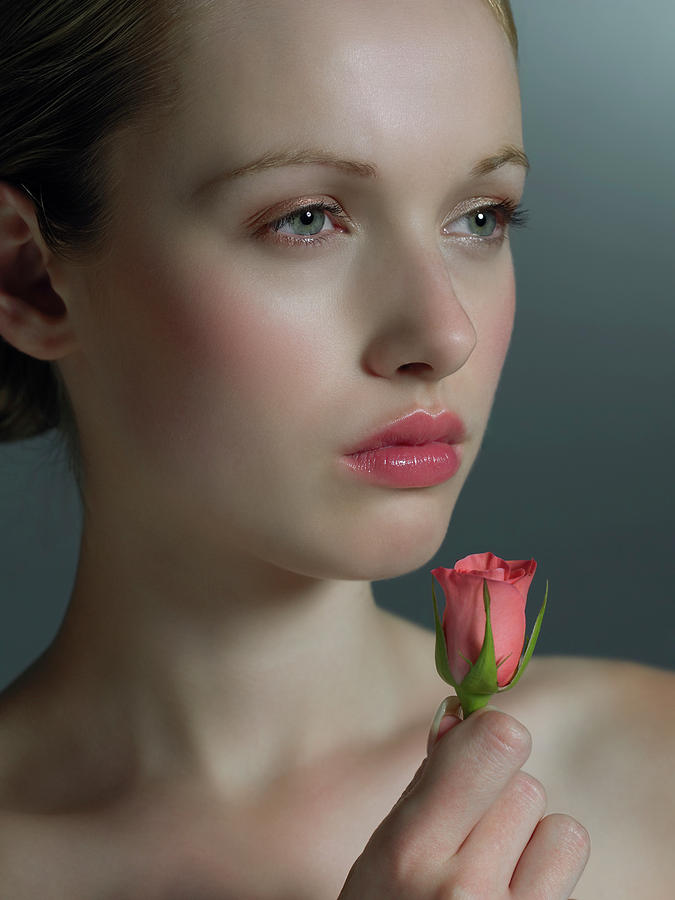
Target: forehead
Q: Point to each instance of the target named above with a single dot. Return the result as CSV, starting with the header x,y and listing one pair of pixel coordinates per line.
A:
x,y
376,79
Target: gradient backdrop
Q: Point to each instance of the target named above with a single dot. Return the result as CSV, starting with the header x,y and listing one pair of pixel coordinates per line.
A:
x,y
577,464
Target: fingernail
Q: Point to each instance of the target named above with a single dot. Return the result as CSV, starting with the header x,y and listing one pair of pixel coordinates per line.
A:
x,y
447,716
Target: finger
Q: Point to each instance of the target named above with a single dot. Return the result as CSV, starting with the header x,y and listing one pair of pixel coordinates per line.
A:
x,y
496,843
413,784
448,714
446,717
553,860
466,772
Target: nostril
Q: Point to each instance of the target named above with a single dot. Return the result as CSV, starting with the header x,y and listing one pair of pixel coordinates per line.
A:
x,y
415,368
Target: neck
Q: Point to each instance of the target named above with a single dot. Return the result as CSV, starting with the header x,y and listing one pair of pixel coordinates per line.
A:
x,y
237,670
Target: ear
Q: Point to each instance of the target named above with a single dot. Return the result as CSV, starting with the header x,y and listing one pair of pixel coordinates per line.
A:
x,y
33,317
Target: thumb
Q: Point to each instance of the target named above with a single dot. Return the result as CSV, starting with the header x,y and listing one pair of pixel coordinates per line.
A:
x,y
446,717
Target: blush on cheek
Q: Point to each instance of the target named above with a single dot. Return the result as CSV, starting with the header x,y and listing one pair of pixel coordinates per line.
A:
x,y
227,361
248,345
494,328
503,325
488,291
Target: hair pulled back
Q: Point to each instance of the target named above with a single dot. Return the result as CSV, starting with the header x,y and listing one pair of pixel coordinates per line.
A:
x,y
72,72
502,9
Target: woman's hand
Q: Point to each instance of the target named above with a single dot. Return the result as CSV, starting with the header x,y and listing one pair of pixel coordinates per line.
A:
x,y
470,826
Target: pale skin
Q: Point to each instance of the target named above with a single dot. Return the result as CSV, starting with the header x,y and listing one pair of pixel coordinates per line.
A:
x,y
225,713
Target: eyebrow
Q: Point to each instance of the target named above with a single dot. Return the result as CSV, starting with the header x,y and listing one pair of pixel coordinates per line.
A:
x,y
509,153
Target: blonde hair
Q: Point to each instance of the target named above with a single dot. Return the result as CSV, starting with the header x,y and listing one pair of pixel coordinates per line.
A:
x,y
502,9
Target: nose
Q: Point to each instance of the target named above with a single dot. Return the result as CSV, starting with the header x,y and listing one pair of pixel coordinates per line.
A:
x,y
421,329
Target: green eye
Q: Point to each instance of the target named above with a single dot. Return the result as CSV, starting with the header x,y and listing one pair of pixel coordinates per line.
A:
x,y
307,222
483,222
489,223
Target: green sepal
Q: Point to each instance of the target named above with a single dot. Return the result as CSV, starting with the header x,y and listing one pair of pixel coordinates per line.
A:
x,y
531,644
480,682
442,665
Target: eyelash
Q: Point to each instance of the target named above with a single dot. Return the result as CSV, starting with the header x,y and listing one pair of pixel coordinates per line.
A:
x,y
510,215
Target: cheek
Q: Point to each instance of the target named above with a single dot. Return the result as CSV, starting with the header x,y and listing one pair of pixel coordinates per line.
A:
x,y
493,317
501,328
216,362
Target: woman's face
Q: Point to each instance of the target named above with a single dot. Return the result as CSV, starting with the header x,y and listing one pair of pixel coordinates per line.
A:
x,y
226,364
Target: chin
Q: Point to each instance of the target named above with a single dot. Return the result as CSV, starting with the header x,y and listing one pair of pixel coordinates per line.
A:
x,y
394,564
385,552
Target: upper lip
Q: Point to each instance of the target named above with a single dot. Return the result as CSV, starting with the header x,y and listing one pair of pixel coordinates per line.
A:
x,y
414,429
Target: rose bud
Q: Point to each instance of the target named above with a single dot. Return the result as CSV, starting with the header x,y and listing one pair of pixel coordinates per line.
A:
x,y
480,639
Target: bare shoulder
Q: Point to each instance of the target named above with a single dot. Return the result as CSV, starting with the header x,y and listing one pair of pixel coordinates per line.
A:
x,y
604,744
606,720
628,704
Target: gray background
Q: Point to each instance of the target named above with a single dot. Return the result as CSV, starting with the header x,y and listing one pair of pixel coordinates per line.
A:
x,y
576,467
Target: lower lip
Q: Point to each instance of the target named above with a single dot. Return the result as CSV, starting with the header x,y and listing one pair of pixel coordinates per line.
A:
x,y
405,466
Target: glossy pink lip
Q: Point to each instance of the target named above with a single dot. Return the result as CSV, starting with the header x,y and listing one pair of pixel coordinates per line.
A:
x,y
418,428
417,450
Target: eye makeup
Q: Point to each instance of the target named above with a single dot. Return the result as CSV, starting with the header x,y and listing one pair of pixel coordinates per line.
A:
x,y
310,217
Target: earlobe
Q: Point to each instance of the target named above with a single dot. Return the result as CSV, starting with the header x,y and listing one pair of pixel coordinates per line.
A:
x,y
33,317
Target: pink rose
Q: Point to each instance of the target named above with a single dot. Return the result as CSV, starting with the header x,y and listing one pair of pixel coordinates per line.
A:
x,y
508,582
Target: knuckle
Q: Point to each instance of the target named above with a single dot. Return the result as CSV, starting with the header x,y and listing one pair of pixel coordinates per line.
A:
x,y
571,837
531,792
462,889
505,736
575,836
401,855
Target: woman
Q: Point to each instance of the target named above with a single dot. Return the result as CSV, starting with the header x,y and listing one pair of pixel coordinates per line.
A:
x,y
241,241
